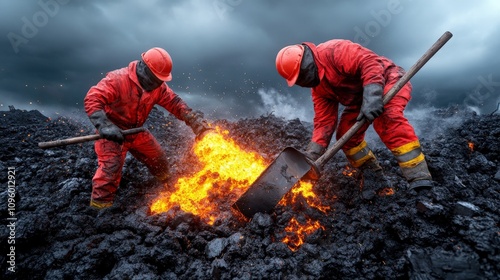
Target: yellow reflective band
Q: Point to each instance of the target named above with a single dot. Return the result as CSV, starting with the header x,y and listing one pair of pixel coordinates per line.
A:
x,y
413,162
408,156
406,148
356,149
358,162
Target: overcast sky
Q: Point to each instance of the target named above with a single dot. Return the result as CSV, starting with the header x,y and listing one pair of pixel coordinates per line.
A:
x,y
53,51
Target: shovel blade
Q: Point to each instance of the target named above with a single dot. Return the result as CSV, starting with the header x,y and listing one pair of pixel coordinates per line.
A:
x,y
270,187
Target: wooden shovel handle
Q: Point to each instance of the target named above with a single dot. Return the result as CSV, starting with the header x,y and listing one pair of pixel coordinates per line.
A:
x,y
81,139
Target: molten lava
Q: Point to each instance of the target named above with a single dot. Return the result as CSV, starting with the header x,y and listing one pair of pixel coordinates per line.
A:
x,y
226,171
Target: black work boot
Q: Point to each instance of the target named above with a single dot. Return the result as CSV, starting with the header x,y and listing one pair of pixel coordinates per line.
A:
x,y
372,164
373,179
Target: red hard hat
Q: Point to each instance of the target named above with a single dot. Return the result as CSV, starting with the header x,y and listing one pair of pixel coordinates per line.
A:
x,y
159,62
288,63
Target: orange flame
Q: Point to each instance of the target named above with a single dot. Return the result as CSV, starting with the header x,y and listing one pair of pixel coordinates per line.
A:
x,y
306,190
297,232
227,171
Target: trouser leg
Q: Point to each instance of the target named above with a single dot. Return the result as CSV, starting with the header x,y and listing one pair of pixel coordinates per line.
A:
x,y
398,135
356,149
110,156
146,149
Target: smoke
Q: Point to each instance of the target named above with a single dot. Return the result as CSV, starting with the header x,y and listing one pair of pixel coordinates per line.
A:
x,y
430,122
492,107
284,105
50,111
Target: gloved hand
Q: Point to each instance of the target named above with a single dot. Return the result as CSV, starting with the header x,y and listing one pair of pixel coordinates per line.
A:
x,y
373,104
106,128
197,123
314,151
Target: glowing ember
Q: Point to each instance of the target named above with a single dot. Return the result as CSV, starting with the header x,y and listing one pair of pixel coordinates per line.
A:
x,y
349,171
386,192
297,232
471,146
227,171
306,190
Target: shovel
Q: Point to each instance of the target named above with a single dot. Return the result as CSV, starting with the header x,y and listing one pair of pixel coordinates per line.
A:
x,y
86,138
291,165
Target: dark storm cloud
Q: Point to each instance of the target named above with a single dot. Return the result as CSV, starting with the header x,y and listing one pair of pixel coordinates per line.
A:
x,y
224,51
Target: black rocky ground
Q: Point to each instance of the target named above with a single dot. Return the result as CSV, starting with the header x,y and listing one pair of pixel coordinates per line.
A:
x,y
452,233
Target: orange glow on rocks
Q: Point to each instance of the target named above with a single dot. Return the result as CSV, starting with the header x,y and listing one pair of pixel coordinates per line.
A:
x,y
296,232
226,172
471,146
386,192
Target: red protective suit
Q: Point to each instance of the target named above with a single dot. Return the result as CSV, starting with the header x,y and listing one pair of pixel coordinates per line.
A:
x,y
344,68
127,105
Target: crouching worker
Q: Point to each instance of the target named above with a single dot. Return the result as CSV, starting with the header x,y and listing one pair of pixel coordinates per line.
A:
x,y
123,100
340,71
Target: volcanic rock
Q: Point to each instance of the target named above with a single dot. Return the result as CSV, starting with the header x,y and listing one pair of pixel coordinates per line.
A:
x,y
450,233
465,208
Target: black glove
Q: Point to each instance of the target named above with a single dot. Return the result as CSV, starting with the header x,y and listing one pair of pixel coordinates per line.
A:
x,y
373,104
197,123
314,151
106,128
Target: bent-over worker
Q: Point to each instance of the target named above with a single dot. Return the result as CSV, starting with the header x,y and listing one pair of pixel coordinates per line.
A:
x,y
340,71
123,100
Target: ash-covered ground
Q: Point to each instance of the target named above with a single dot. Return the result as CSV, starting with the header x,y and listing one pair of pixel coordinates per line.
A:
x,y
451,233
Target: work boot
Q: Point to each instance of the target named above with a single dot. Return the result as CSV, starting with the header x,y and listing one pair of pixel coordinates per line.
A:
x,y
372,164
419,178
373,179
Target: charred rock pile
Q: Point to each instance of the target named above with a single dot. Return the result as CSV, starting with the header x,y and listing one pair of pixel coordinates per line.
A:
x,y
451,232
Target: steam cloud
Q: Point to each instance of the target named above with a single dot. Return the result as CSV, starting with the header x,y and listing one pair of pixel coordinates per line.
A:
x,y
283,105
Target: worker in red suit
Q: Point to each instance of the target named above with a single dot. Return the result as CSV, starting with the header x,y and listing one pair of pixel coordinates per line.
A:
x,y
340,71
123,100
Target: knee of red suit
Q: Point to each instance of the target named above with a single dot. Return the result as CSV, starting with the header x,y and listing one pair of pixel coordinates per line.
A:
x,y
158,166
